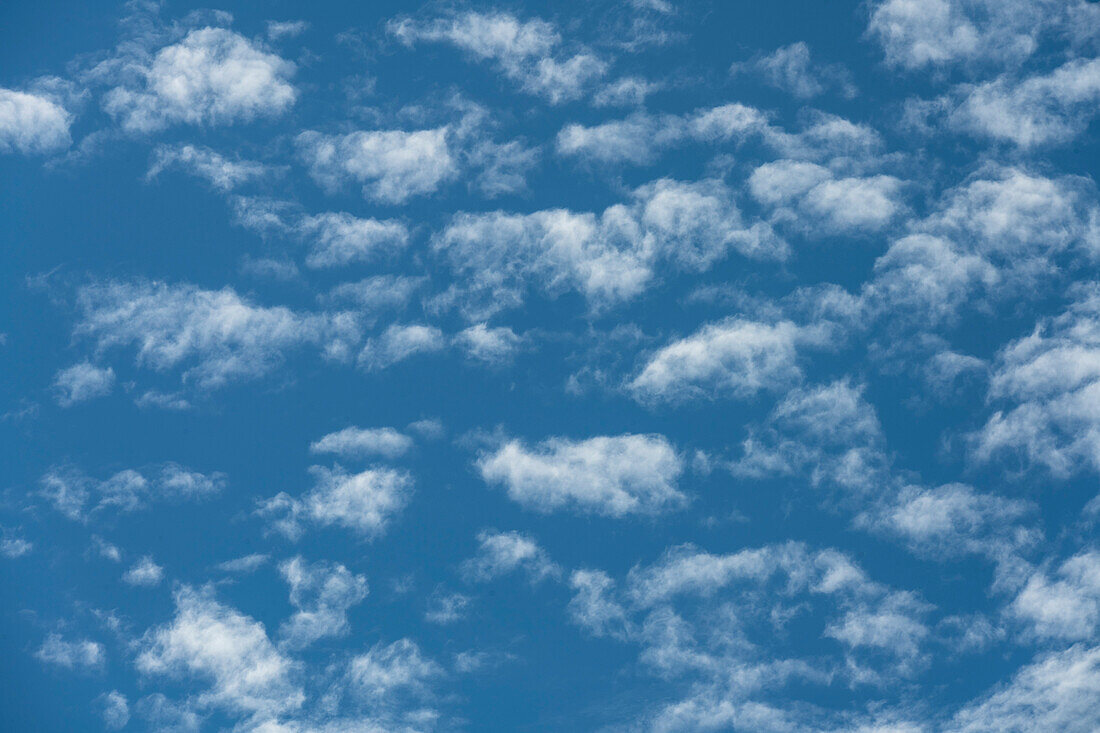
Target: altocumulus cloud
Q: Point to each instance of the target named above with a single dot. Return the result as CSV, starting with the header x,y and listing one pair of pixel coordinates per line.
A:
x,y
610,475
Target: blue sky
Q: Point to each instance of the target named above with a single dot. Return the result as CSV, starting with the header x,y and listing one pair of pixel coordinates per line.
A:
x,y
640,366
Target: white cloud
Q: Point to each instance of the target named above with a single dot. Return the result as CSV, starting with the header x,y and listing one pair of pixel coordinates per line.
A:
x,y
391,165
221,172
639,138
610,258
70,490
363,502
735,357
1064,604
608,475
935,33
378,292
1050,381
527,52
829,432
446,608
1043,109
339,239
592,606
503,166
83,381
322,593
163,714
229,652
223,336
398,343
791,69
335,239
892,624
1056,691
1015,214
489,345
211,77
144,572
500,553
355,442
386,669
116,710
810,195
13,547
82,654
630,91
687,570
928,280
278,30
953,519
31,124
709,622
244,564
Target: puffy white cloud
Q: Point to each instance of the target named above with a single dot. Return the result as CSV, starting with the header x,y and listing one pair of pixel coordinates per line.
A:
x,y
608,475
687,570
377,292
791,69
221,335
630,91
928,279
32,124
892,625
222,173
953,519
387,669
609,258
391,165
829,431
500,553
593,607
335,239
363,502
1050,381
355,442
116,710
80,654
322,592
1013,213
1043,109
212,76
277,30
163,714
398,343
734,357
998,235
70,490
144,572
527,52
83,381
490,345
810,195
503,166
922,33
639,138
13,547
1064,604
708,622
341,238
446,608
1056,691
227,651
